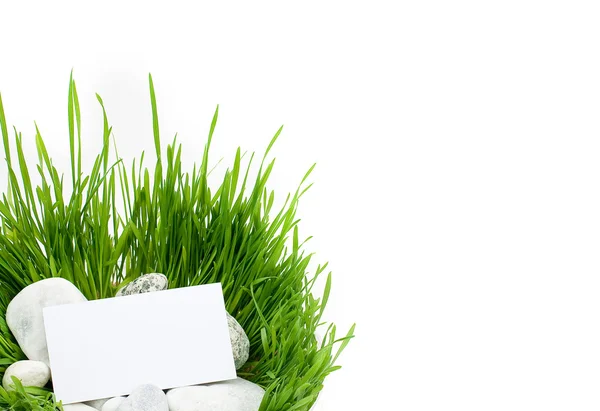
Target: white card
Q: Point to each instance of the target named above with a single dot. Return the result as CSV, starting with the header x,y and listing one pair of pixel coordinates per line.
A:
x,y
106,348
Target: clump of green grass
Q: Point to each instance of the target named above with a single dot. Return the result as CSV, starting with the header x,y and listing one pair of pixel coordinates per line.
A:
x,y
170,221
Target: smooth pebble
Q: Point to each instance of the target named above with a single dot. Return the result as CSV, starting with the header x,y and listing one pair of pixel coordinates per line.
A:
x,y
78,407
30,373
24,313
233,395
97,404
112,404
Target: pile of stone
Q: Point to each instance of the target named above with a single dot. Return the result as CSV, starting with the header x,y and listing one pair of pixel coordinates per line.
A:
x,y
233,395
25,320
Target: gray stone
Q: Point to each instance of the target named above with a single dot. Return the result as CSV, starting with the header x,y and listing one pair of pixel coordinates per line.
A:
x,y
97,404
240,345
30,373
145,398
233,395
78,407
146,283
112,404
24,313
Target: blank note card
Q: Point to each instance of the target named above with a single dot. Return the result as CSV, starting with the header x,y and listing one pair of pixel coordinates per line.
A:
x,y
106,348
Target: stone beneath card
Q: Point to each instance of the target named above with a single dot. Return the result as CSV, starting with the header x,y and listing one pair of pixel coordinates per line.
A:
x,y
146,283
78,407
233,395
112,404
30,373
24,313
97,404
145,398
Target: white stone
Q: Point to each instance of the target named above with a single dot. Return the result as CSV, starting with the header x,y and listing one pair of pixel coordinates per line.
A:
x,y
240,345
233,395
78,407
97,404
145,398
30,373
24,313
146,283
112,404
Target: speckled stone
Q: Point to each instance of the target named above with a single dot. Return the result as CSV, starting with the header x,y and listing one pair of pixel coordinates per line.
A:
x,y
240,345
146,283
78,407
30,373
145,398
24,313
97,404
112,404
233,395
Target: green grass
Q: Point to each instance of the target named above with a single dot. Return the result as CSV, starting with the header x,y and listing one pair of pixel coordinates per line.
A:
x,y
168,220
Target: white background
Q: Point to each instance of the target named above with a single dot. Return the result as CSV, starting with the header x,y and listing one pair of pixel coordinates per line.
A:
x,y
457,187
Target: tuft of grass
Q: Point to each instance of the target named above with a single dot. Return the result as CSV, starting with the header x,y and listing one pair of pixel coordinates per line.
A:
x,y
170,221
